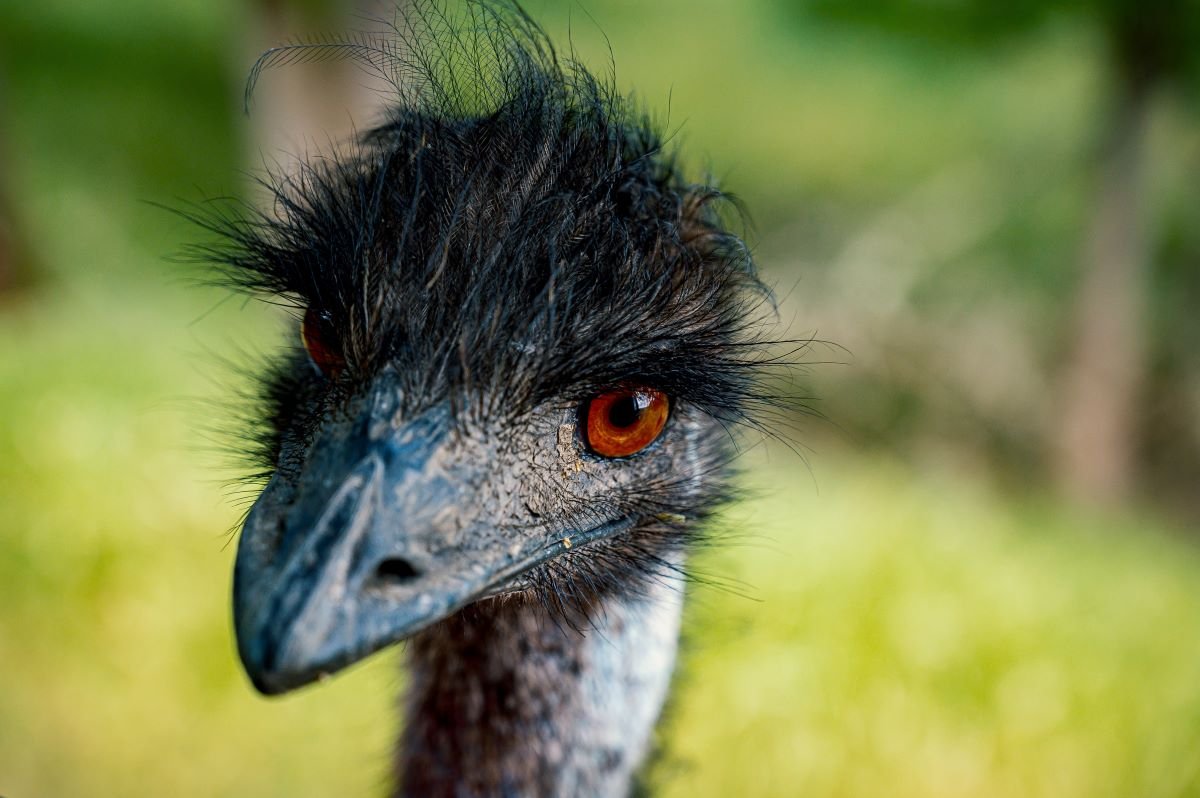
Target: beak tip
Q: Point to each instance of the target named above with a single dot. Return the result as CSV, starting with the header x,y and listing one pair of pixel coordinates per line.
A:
x,y
254,662
261,655
265,684
280,658
268,676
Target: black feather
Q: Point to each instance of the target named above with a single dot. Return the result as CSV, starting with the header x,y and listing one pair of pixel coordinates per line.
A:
x,y
513,220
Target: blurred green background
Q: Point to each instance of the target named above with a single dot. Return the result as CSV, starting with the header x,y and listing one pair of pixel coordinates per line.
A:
x,y
978,577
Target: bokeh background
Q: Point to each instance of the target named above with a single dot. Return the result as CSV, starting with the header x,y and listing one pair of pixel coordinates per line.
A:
x,y
976,572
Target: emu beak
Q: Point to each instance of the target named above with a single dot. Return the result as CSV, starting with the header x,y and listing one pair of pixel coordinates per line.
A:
x,y
384,532
364,548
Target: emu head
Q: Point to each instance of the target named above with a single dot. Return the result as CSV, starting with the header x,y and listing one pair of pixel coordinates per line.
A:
x,y
522,339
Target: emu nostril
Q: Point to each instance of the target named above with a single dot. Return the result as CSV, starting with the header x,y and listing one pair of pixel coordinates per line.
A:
x,y
396,571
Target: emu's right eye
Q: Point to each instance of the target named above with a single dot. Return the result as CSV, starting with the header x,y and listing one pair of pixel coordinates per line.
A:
x,y
626,420
321,342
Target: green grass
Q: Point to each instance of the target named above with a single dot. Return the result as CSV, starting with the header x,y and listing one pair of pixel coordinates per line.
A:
x,y
923,638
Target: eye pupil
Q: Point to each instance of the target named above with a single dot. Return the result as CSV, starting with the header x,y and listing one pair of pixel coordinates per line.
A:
x,y
625,411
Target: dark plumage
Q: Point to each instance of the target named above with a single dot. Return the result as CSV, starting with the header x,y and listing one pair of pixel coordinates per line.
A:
x,y
511,242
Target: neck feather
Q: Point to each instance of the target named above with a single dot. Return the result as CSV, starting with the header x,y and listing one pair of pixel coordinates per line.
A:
x,y
507,701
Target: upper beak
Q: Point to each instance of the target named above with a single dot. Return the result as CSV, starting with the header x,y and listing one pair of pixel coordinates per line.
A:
x,y
381,535
362,552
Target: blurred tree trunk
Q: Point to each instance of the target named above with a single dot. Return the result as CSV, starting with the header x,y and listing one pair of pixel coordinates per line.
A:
x,y
16,259
17,267
303,108
1095,447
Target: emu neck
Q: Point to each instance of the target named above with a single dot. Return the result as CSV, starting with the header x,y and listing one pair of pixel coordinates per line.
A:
x,y
505,702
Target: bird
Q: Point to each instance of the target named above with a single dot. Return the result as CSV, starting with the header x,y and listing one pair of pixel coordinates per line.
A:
x,y
526,345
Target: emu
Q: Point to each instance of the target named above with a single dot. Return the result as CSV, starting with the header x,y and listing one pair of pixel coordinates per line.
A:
x,y
524,340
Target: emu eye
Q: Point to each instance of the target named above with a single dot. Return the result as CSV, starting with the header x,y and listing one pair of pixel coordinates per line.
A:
x,y
626,420
321,342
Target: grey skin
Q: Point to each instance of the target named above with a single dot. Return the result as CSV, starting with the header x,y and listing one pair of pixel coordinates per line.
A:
x,y
391,520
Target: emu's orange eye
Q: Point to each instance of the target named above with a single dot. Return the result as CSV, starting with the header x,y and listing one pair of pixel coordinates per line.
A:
x,y
321,342
625,421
